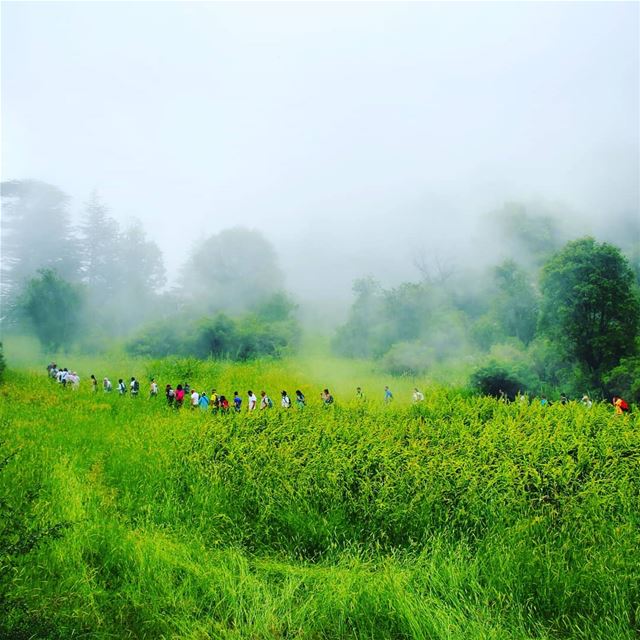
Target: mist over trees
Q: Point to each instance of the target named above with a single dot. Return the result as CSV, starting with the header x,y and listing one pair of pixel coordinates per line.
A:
x,y
540,308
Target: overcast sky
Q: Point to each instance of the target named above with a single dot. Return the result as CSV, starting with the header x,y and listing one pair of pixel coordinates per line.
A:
x,y
351,134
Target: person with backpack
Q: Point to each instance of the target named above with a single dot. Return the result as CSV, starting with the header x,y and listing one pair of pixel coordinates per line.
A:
x,y
237,402
418,396
94,384
326,397
179,396
106,385
286,401
153,388
214,401
135,387
224,404
388,396
300,399
170,394
252,400
122,387
265,402
203,401
195,400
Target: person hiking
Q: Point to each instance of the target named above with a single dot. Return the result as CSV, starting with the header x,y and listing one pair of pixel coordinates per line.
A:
x,y
360,397
224,404
418,396
179,396
586,401
265,401
203,401
252,400
327,398
285,402
122,387
135,387
195,399
214,401
153,388
94,384
620,405
300,399
106,385
237,402
388,396
170,395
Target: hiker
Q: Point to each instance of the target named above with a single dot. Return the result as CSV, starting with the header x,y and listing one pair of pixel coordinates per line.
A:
x,y
203,401
418,396
563,399
620,405
195,399
214,401
122,387
327,398
135,387
543,401
94,384
586,401
300,400
153,388
252,401
388,396
74,379
360,397
187,389
265,401
237,402
179,396
285,402
224,404
106,385
170,394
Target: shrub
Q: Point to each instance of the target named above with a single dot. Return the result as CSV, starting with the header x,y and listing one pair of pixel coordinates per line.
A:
x,y
495,380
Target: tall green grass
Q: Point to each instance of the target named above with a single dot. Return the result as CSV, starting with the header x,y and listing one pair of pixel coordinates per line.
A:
x,y
459,518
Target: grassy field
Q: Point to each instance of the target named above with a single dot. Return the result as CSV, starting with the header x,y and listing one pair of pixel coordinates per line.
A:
x,y
459,518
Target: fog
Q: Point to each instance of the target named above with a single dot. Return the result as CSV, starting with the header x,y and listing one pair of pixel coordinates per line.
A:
x,y
359,138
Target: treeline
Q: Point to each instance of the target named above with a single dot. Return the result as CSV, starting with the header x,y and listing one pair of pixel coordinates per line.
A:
x,y
563,314
87,284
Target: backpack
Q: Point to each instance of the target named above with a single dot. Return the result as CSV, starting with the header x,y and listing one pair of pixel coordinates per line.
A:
x,y
623,405
269,402
136,385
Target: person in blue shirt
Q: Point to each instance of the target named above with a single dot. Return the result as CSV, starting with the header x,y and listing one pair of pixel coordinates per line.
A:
x,y
203,402
388,396
237,402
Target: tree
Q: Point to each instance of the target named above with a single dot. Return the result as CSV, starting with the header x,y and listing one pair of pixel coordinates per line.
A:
x,y
99,241
590,305
516,306
54,307
231,271
36,234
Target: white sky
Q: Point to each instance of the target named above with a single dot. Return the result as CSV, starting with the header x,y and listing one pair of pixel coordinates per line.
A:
x,y
349,133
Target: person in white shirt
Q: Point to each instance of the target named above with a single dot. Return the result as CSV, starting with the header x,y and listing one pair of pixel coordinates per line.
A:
x,y
106,385
265,401
153,388
195,399
286,401
253,401
418,396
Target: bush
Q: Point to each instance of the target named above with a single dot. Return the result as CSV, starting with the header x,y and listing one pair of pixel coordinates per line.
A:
x,y
497,380
624,380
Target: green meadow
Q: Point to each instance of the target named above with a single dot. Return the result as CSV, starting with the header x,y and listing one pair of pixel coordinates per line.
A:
x,y
460,517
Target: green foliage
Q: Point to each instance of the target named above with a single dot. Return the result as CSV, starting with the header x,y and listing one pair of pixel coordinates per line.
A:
x,y
222,337
624,380
459,517
54,307
590,305
498,381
